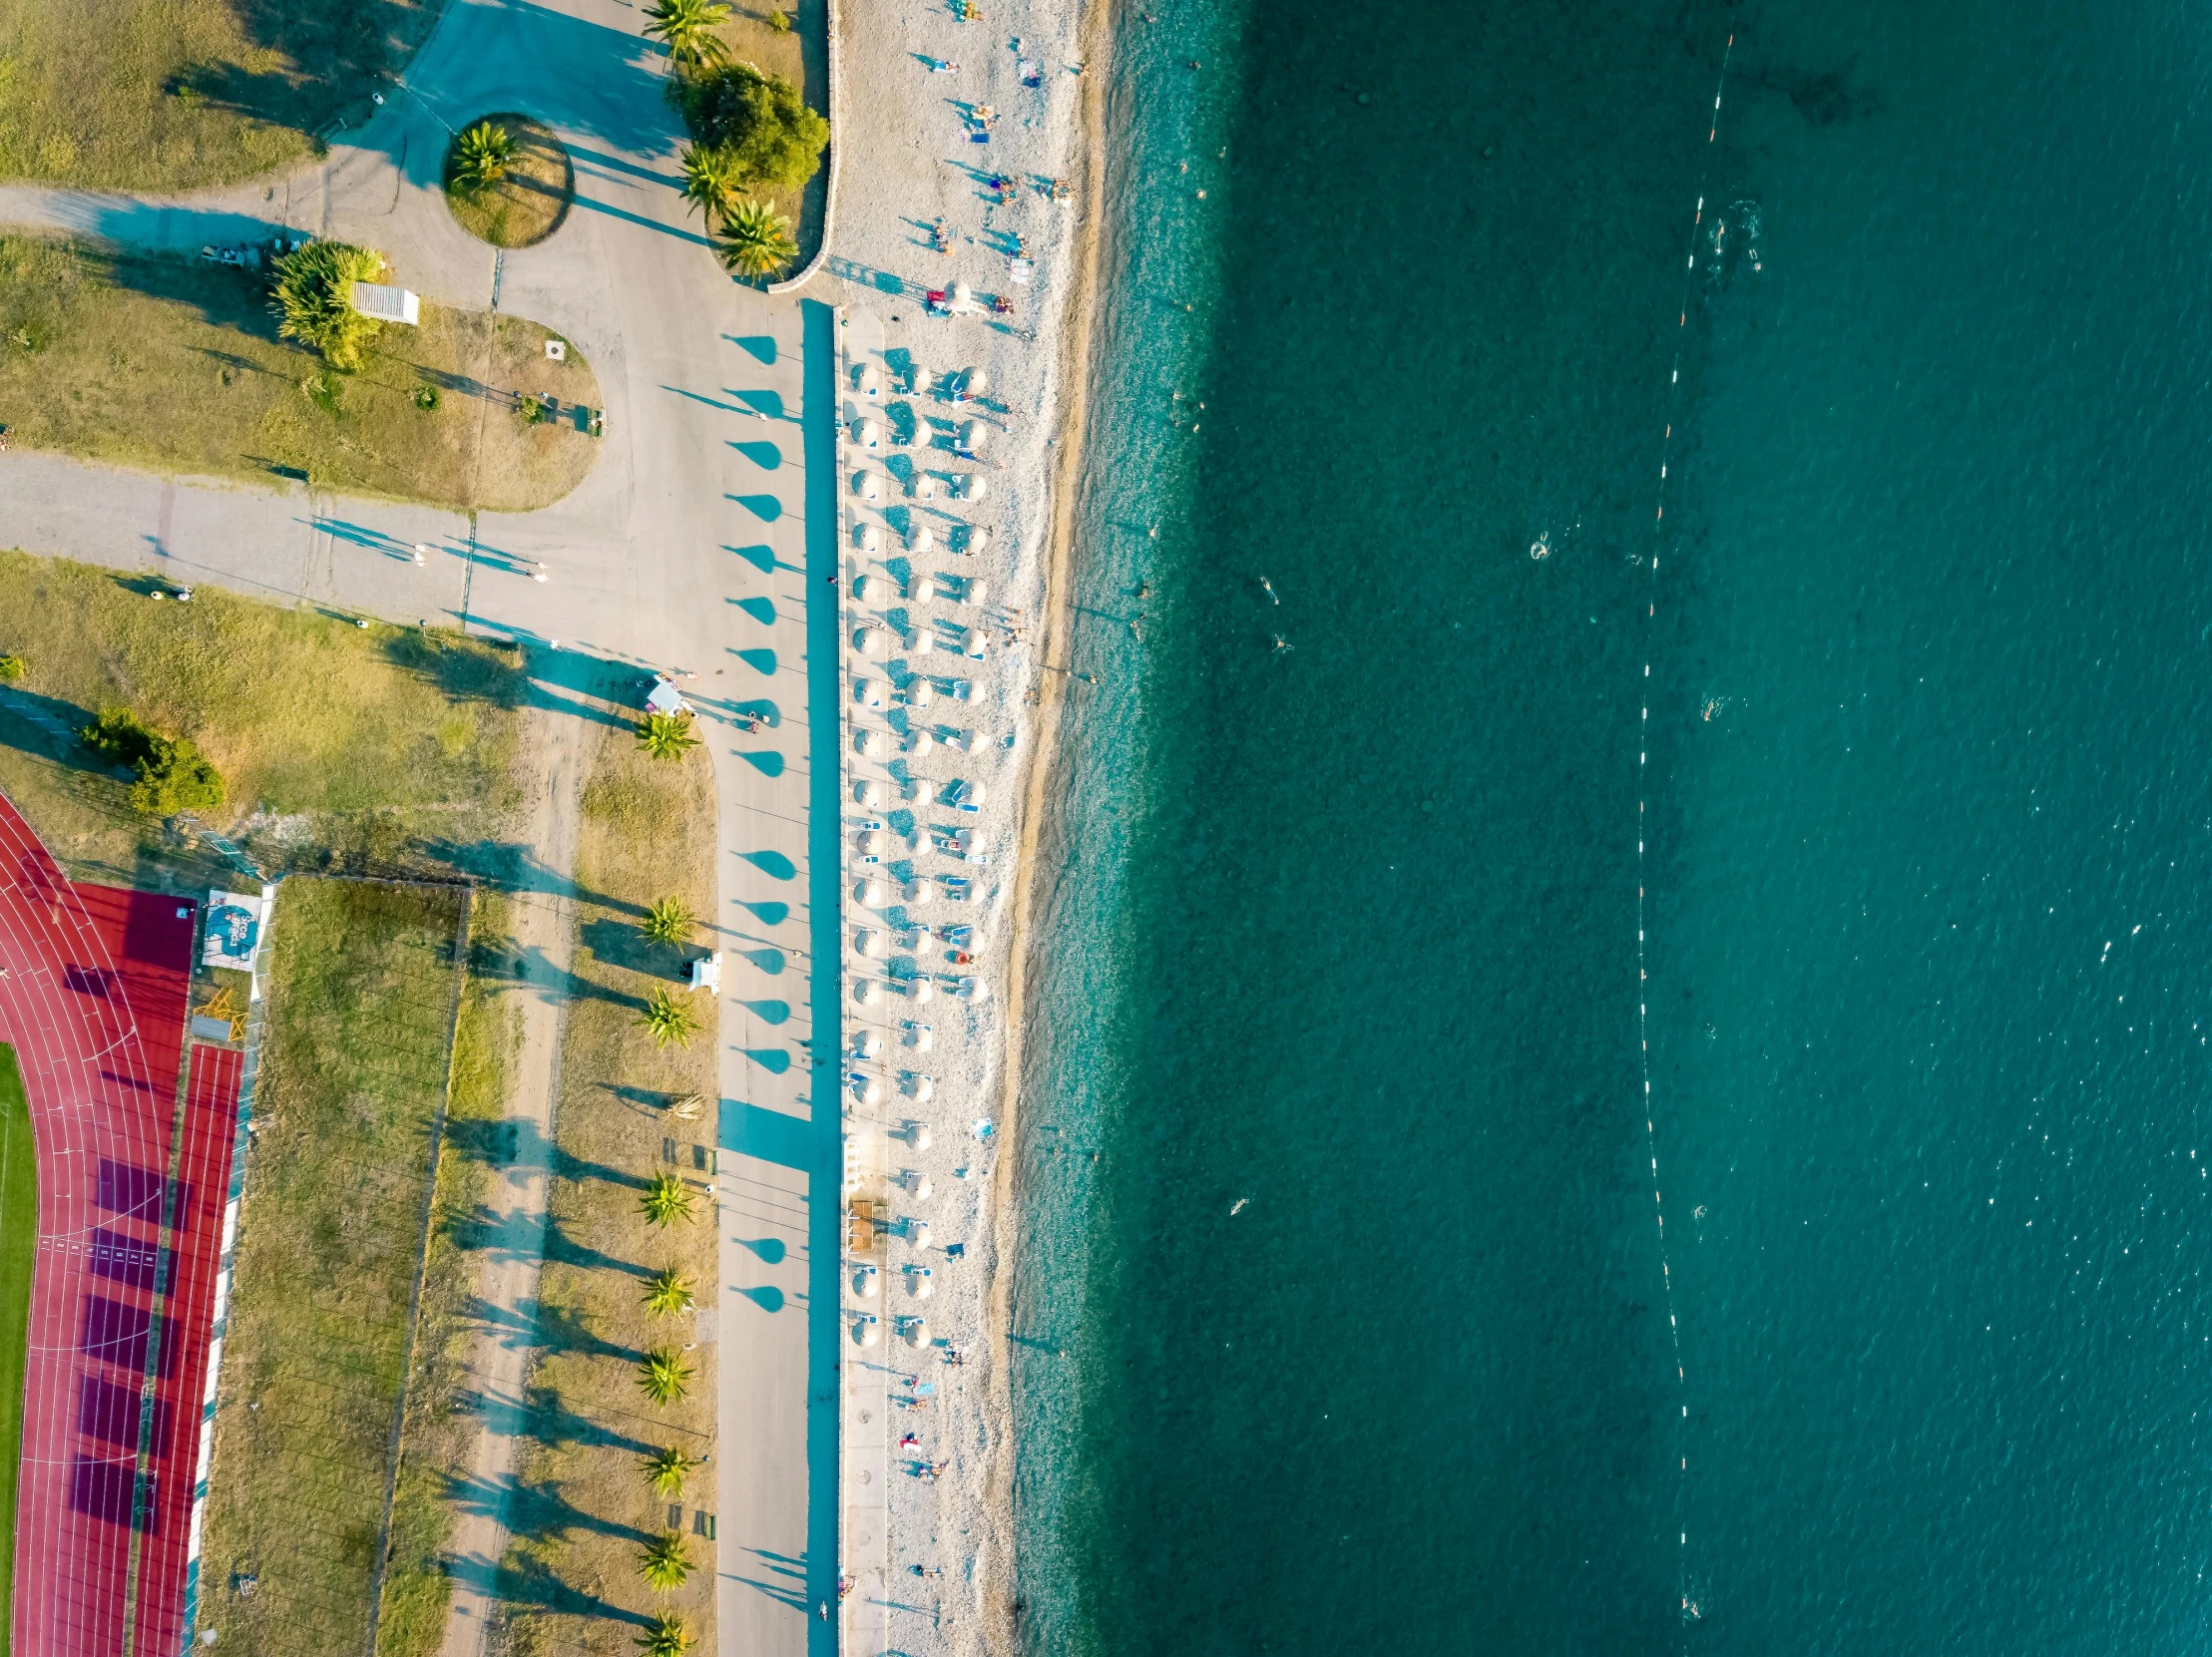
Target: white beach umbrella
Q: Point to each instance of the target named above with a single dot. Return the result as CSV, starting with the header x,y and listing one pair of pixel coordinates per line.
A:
x,y
917,1333
975,645
869,692
867,485
975,382
921,642
924,487
974,434
869,793
869,943
919,1283
867,537
920,989
870,641
868,1045
922,1088
919,891
920,693
920,742
917,1234
872,894
978,543
866,380
971,486
865,1332
918,1135
921,590
868,434
867,991
871,842
920,539
872,743
868,1090
866,1282
974,590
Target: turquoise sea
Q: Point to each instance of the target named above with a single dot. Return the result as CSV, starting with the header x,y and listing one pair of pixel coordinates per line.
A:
x,y
1346,1322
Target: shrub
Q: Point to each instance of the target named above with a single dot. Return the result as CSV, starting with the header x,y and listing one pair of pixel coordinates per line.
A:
x,y
173,776
780,22
426,397
482,156
12,666
314,299
771,139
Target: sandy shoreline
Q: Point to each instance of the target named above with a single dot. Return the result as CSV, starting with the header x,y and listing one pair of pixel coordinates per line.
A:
x,y
927,1452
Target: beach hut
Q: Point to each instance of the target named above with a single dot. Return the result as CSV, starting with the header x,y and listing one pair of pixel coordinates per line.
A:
x,y
868,793
920,539
869,692
867,485
872,894
974,434
867,538
870,641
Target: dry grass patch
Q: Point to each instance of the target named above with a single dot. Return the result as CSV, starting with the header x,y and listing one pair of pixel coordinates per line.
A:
x,y
572,1578
371,746
526,205
354,1063
175,365
177,94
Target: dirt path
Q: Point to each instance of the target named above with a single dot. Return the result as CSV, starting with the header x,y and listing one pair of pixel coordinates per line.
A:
x,y
514,1249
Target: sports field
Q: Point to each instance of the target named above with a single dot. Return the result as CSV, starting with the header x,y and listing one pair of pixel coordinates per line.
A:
x,y
18,1249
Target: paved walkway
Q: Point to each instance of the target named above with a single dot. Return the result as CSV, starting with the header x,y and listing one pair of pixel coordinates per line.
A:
x,y
689,547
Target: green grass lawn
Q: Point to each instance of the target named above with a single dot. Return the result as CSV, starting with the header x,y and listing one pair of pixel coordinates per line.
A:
x,y
354,1067
18,1251
361,743
173,94
646,834
175,365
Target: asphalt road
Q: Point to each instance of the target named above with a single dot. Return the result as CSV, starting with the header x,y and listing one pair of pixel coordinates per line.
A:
x,y
699,543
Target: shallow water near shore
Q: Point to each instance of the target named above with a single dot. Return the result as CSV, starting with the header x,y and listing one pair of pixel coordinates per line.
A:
x,y
1356,1334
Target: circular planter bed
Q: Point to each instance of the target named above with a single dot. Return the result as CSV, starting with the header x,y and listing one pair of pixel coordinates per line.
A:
x,y
527,204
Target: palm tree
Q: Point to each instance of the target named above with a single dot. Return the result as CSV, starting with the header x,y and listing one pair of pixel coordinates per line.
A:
x,y
665,1470
669,1019
665,1563
755,240
482,156
670,922
664,1637
667,1292
662,1375
667,735
666,1200
687,28
709,180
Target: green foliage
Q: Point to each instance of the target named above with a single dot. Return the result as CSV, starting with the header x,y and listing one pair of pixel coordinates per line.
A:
x,y
534,411
663,1376
314,299
780,22
665,1200
670,922
755,240
687,28
172,774
665,1470
761,126
664,1637
667,1292
669,1021
426,398
667,735
482,156
709,180
12,666
664,1562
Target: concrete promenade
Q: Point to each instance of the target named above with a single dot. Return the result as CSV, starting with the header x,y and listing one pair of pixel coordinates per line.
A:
x,y
698,544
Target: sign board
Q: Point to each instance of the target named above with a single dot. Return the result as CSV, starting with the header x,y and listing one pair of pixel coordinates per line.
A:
x,y
388,304
233,929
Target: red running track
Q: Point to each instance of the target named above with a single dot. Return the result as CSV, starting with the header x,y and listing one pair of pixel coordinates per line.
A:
x,y
94,984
